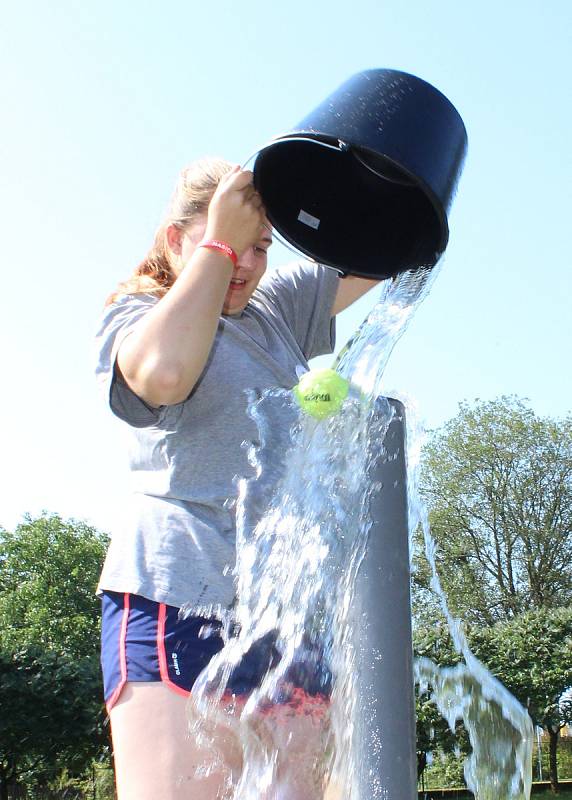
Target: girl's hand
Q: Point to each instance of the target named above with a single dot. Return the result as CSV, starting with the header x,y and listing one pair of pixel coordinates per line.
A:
x,y
236,214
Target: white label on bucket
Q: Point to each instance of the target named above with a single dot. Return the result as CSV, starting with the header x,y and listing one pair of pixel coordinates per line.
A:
x,y
308,219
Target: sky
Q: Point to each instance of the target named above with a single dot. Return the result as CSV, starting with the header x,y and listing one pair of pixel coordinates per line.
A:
x,y
103,103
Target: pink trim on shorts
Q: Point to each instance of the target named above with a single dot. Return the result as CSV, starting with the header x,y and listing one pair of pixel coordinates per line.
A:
x,y
122,654
163,670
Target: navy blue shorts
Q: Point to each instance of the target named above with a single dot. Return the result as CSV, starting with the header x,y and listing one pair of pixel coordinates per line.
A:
x,y
142,640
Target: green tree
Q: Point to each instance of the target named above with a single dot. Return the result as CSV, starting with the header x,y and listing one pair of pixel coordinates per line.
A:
x,y
532,656
498,483
51,719
49,570
51,714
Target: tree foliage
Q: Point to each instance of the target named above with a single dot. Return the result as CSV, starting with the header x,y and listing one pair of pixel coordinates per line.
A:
x,y
51,710
52,715
498,482
532,656
49,570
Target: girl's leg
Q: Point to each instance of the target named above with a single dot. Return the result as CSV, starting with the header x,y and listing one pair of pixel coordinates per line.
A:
x,y
302,767
155,757
301,743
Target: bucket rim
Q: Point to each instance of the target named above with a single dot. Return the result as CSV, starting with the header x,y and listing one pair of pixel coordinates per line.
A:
x,y
342,147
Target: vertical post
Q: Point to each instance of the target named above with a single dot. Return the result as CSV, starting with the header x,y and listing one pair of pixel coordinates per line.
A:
x,y
385,752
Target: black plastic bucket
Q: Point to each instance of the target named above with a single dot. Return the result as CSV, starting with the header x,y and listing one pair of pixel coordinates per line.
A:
x,y
364,183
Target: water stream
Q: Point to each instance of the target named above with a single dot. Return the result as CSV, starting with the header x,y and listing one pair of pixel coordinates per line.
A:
x,y
302,529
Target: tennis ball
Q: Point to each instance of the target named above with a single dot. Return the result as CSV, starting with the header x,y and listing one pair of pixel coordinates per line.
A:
x,y
321,392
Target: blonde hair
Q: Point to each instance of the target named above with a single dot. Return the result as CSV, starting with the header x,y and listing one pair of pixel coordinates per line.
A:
x,y
194,190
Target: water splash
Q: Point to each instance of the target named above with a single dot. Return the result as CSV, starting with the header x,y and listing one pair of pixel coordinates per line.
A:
x,y
365,356
302,528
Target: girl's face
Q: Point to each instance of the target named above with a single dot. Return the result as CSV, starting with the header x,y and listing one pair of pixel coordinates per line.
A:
x,y
246,275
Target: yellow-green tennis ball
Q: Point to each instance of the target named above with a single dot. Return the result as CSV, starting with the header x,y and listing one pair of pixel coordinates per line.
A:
x,y
321,392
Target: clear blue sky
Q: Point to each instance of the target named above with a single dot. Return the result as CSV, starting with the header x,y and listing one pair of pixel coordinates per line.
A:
x,y
104,102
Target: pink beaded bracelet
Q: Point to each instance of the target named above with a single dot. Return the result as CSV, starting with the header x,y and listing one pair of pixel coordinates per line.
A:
x,y
223,247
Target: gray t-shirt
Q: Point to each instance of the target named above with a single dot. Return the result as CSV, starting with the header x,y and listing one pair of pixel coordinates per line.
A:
x,y
175,543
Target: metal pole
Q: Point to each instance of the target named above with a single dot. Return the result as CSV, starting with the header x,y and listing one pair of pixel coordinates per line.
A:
x,y
385,753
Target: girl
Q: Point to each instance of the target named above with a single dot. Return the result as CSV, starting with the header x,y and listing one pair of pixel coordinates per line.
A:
x,y
197,324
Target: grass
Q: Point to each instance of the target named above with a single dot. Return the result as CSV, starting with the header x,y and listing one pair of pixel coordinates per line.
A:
x,y
546,795
564,794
